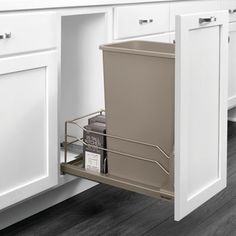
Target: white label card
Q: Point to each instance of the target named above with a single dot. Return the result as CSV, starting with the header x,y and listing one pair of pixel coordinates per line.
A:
x,y
93,161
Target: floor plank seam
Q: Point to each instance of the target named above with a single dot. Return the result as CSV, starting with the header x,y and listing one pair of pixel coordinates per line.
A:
x,y
119,223
34,218
215,212
157,226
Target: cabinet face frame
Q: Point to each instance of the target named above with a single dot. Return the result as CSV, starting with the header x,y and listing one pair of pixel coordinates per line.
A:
x,y
212,181
48,178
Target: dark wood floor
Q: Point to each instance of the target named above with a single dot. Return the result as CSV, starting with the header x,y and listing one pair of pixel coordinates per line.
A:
x,y
105,210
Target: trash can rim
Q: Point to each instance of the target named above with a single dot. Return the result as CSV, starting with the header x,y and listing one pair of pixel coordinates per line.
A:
x,y
112,47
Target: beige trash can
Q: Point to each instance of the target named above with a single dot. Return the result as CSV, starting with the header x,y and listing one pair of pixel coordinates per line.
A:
x,y
139,79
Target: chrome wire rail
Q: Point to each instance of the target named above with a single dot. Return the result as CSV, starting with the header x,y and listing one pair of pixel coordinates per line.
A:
x,y
80,140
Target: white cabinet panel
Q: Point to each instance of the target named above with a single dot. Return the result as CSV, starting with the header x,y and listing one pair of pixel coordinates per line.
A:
x,y
188,7
28,101
201,109
232,68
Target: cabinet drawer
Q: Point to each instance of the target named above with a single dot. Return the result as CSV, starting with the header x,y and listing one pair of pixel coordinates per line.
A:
x,y
27,32
230,5
140,20
179,8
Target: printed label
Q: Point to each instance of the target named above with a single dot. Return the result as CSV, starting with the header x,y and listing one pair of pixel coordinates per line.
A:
x,y
93,161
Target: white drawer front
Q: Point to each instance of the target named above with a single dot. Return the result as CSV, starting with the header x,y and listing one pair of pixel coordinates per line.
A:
x,y
229,5
132,21
28,32
178,8
164,38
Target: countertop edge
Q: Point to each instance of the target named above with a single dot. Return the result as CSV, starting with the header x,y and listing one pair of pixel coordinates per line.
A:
x,y
17,5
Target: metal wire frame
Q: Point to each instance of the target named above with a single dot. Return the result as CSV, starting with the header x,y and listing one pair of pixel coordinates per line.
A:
x,y
76,139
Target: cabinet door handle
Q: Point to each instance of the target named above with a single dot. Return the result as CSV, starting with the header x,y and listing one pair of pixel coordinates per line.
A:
x,y
8,35
207,20
232,11
145,21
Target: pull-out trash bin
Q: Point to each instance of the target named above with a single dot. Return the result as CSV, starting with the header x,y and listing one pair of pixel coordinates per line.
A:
x,y
139,82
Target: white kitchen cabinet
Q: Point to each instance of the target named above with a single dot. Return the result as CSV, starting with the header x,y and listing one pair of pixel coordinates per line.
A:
x,y
29,149
30,96
200,117
232,68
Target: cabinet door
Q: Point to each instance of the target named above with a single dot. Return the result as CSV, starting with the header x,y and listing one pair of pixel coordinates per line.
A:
x,y
232,68
201,109
28,137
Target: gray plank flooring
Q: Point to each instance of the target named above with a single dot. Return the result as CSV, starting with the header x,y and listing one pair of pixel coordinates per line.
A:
x,y
105,210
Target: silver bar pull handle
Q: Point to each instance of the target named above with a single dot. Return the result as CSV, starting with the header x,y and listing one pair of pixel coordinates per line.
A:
x,y
207,20
8,35
145,21
232,11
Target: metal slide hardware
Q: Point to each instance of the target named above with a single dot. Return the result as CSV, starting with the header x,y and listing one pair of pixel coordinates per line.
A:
x,y
207,20
80,140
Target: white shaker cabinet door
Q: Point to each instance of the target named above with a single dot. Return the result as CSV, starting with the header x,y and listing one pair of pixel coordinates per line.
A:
x,y
232,66
28,127
201,109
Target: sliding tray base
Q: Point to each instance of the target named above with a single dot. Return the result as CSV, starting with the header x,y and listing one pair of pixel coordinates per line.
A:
x,y
75,168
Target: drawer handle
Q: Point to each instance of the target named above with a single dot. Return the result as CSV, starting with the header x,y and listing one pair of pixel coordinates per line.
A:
x,y
8,35
143,21
207,20
232,11
5,36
